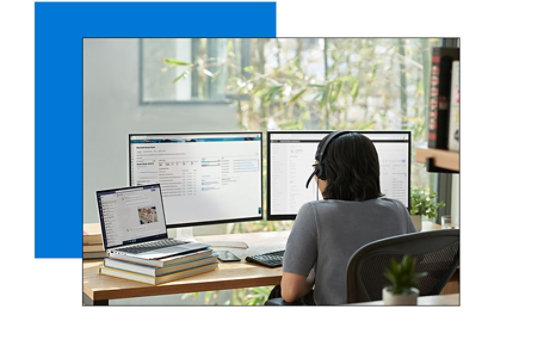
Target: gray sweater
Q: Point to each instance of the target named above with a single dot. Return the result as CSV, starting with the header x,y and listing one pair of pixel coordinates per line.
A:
x,y
326,234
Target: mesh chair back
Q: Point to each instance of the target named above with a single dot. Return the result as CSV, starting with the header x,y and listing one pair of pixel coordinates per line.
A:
x,y
436,252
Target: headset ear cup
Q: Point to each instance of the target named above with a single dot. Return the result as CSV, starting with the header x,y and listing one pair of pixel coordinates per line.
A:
x,y
319,156
320,172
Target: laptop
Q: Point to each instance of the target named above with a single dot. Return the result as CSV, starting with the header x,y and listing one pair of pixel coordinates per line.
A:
x,y
133,224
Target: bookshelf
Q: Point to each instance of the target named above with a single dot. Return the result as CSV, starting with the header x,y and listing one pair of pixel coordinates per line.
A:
x,y
438,160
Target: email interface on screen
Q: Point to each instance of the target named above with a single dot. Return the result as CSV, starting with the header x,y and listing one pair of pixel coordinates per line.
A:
x,y
205,178
291,156
131,215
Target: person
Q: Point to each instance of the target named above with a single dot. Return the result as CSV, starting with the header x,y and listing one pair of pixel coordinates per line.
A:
x,y
353,213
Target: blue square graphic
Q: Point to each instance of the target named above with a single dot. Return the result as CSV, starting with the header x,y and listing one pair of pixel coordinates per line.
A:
x,y
59,32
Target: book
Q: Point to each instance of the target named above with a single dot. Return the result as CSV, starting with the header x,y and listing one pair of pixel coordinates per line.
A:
x,y
94,255
156,280
442,60
92,238
454,108
163,262
93,248
156,271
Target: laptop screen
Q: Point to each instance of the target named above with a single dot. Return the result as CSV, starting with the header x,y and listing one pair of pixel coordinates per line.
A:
x,y
131,215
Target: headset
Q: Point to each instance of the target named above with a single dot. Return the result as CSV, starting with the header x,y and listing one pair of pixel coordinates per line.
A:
x,y
319,170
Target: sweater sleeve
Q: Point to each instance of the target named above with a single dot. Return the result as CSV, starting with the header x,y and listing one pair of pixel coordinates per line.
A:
x,y
301,247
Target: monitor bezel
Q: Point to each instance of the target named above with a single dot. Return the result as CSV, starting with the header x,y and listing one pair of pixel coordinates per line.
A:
x,y
223,221
275,217
134,241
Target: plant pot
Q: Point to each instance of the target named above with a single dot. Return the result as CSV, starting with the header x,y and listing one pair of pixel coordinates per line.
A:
x,y
416,219
400,299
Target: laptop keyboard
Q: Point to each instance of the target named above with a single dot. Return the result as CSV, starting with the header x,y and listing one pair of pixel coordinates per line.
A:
x,y
150,246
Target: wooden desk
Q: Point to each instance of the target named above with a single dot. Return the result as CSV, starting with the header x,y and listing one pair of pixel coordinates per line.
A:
x,y
99,289
448,299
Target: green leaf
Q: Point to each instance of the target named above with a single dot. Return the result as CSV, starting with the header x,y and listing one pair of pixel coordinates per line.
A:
x,y
336,92
181,76
298,95
327,91
373,74
424,203
402,275
355,91
175,62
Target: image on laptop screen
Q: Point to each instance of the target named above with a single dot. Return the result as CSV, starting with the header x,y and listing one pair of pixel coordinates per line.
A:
x,y
130,215
291,155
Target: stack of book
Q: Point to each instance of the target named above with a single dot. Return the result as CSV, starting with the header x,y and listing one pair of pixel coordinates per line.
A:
x,y
159,271
92,245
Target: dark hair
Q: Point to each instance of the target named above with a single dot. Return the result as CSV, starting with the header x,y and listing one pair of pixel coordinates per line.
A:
x,y
351,167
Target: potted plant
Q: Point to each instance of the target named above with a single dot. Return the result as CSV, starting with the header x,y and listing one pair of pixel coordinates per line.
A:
x,y
403,278
424,204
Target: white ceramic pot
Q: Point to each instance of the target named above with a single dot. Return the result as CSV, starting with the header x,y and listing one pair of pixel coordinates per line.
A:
x,y
416,219
399,299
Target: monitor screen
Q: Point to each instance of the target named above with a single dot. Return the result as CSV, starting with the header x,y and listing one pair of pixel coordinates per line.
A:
x,y
130,215
205,178
291,156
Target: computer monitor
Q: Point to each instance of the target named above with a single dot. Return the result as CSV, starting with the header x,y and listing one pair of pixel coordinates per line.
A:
x,y
205,178
291,156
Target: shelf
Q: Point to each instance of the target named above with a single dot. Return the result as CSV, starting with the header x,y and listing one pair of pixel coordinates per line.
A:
x,y
441,160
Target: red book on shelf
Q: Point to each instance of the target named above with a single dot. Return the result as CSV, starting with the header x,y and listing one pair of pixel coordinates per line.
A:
x,y
440,87
454,108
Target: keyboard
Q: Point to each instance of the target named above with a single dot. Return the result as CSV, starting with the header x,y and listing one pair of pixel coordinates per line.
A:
x,y
271,259
150,246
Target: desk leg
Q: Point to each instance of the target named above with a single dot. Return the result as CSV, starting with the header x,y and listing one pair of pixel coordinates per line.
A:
x,y
86,301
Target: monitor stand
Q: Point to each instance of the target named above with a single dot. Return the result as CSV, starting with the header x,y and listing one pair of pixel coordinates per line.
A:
x,y
231,244
186,234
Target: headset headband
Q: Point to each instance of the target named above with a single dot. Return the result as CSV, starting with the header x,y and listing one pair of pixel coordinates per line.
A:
x,y
320,155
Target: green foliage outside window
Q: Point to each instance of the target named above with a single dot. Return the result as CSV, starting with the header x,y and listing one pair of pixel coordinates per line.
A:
x,y
320,83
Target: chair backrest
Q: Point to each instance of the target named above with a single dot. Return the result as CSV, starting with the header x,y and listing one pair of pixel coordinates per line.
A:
x,y
436,252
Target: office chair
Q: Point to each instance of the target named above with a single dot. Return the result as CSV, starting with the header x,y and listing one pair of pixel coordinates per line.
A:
x,y
436,252
276,299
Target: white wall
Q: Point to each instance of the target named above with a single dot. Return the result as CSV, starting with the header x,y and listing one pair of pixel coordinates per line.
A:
x,y
111,110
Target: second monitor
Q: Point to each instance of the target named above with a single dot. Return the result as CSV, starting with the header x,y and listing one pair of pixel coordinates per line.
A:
x,y
291,156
